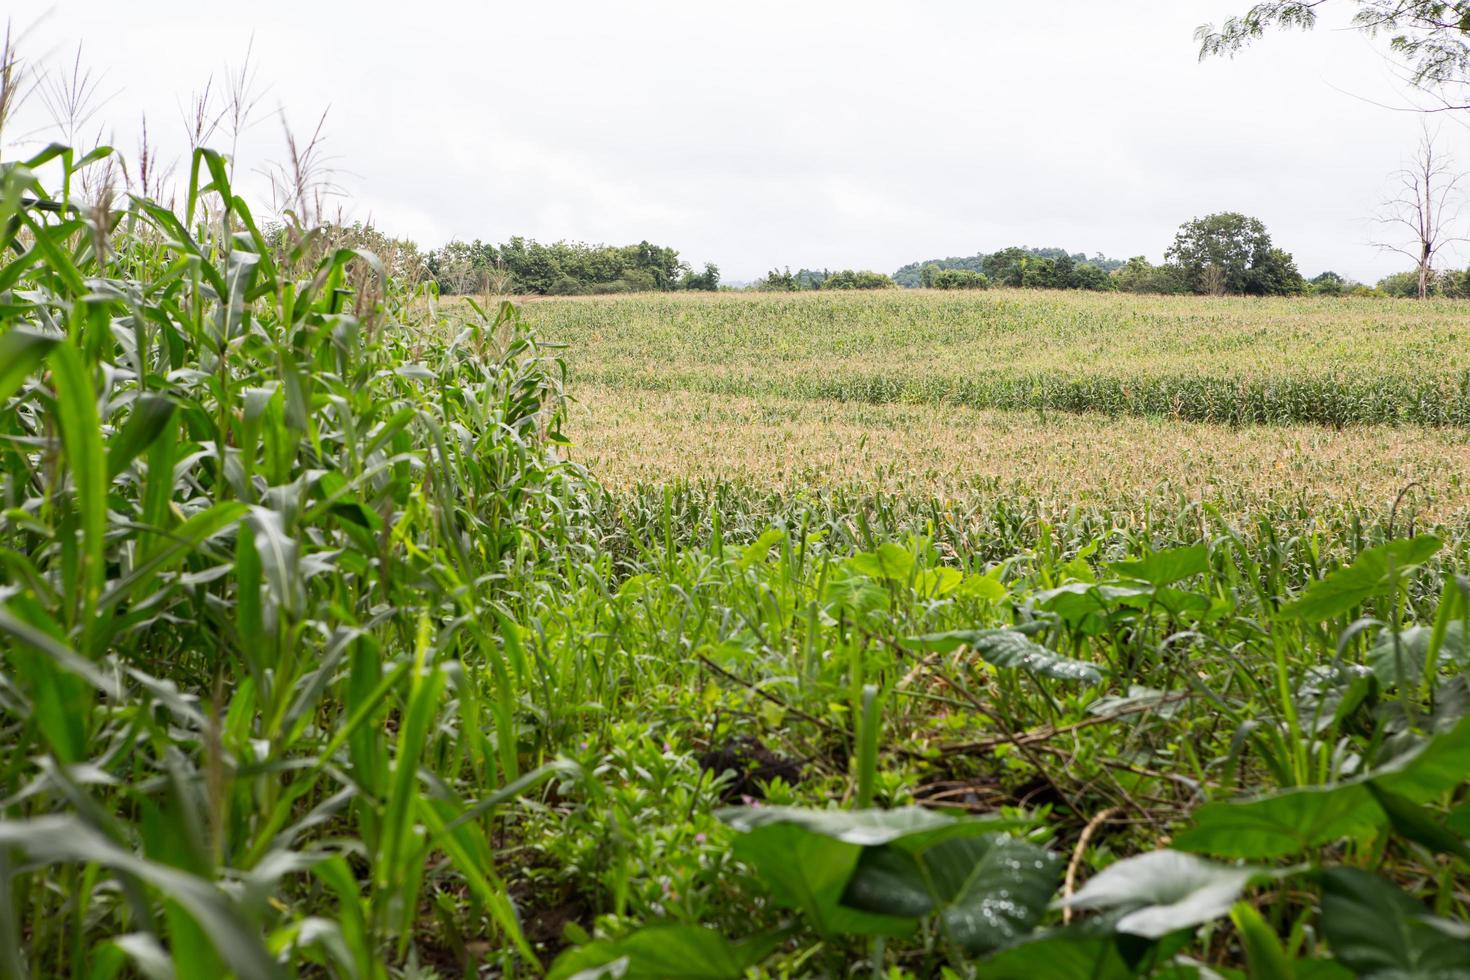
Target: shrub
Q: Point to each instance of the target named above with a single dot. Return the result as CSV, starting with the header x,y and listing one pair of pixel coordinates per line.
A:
x,y
958,279
1138,275
849,279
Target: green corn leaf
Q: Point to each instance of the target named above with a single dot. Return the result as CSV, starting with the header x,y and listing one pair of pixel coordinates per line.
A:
x,y
59,839
150,416
81,431
180,542
1265,957
21,352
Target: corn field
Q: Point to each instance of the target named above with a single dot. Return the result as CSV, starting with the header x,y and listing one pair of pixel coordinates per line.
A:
x,y
325,655
1232,361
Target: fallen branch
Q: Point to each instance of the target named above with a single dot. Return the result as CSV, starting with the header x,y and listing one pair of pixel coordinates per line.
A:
x,y
1071,880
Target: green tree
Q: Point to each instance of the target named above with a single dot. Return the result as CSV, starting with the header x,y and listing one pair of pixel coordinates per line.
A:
x,y
778,281
1138,275
1232,253
1432,37
707,281
1275,275
958,279
1456,285
1008,266
1400,285
851,279
1089,276
1328,284
1063,273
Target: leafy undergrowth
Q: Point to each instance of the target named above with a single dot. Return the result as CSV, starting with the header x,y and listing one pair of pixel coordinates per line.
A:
x,y
1163,723
318,660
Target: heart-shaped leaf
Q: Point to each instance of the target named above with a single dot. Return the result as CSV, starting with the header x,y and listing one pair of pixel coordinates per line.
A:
x,y
1061,955
811,859
1166,567
1163,891
891,561
1287,823
1281,824
1402,660
1368,575
988,890
659,951
1377,931
1010,649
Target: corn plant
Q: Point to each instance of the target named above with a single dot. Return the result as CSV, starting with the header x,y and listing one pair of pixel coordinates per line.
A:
x,y
260,681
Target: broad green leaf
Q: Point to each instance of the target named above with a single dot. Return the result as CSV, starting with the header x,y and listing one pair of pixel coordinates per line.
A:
x,y
660,951
1439,765
855,592
1459,820
1067,954
1176,602
1166,567
1011,650
989,890
757,550
808,871
890,881
1292,821
861,827
984,587
808,857
1368,575
1078,600
1281,824
1403,662
1415,822
933,582
891,561
1379,932
1329,695
1162,891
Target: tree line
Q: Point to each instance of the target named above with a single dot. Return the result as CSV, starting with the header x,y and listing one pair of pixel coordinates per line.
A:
x,y
520,266
1219,254
525,266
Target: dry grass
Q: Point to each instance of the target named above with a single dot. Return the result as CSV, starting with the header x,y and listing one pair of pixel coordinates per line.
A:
x,y
629,435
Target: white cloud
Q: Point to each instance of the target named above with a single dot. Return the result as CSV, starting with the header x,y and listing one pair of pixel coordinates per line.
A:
x,y
763,133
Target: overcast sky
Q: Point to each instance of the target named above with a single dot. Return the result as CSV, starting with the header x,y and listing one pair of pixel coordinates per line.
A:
x,y
756,134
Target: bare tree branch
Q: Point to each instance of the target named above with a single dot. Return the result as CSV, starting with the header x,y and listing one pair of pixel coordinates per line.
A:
x,y
1429,205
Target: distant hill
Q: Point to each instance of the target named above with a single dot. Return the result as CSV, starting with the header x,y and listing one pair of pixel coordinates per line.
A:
x,y
909,275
